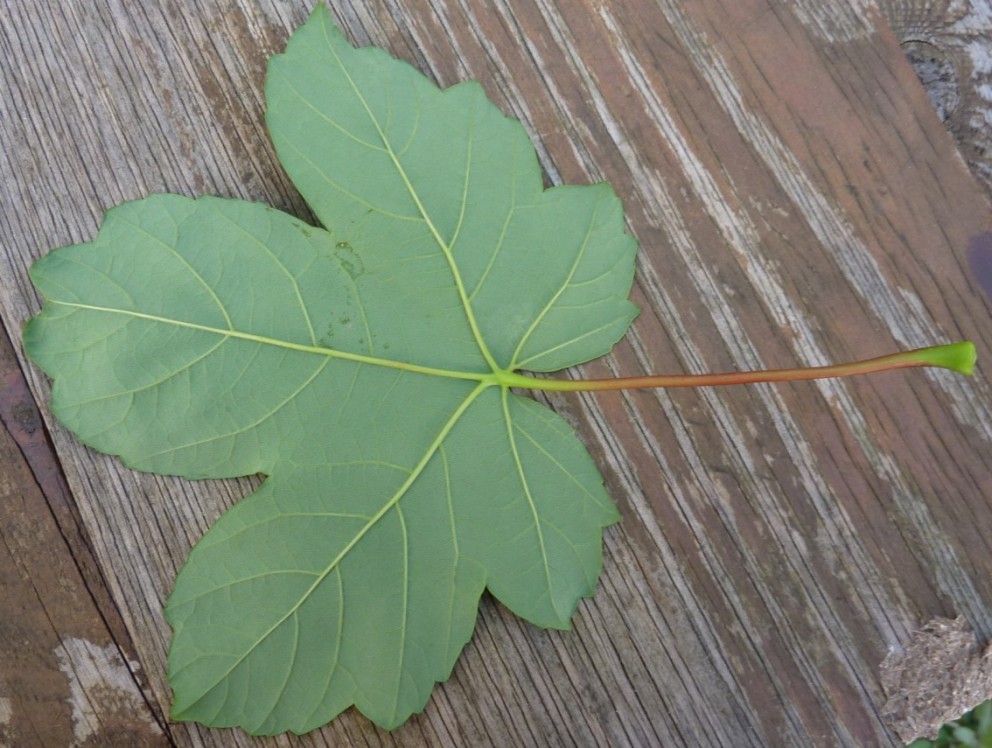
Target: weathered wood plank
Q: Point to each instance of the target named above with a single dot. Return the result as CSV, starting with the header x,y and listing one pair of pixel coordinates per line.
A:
x,y
949,43
796,201
64,679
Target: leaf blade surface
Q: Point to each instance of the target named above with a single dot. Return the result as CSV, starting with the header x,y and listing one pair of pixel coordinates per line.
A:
x,y
462,181
358,367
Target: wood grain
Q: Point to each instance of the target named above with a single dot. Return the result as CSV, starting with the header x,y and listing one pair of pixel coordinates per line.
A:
x,y
65,672
949,43
797,201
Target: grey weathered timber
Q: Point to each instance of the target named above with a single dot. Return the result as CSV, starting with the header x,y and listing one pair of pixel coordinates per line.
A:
x,y
949,43
797,201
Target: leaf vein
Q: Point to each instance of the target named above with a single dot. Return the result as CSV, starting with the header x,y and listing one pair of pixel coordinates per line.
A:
x,y
565,284
135,390
386,508
249,427
332,670
319,350
518,462
462,209
295,619
113,281
511,210
550,458
282,266
401,655
449,499
343,190
196,274
565,343
330,120
401,171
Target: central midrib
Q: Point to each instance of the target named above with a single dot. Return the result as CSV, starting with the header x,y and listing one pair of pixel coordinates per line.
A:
x,y
443,245
491,377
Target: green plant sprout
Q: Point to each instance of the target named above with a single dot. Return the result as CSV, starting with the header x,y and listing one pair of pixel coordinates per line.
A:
x,y
972,730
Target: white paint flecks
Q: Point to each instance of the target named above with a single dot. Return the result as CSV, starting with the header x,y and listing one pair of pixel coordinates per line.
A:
x,y
961,32
981,57
900,310
741,235
100,685
6,717
972,32
836,21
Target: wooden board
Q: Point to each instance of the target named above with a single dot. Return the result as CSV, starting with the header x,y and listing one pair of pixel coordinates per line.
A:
x,y
796,200
949,44
67,670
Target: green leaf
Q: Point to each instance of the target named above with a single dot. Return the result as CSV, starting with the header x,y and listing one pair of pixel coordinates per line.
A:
x,y
366,370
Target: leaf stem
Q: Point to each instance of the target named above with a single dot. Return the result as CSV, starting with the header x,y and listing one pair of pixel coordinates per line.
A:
x,y
959,357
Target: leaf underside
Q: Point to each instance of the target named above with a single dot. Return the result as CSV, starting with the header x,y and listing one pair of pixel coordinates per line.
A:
x,y
358,368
